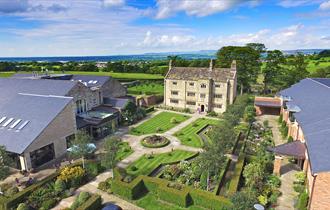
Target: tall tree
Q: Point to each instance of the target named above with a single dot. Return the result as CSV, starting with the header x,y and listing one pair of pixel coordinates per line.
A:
x,y
297,69
259,47
248,64
5,162
111,147
274,69
80,146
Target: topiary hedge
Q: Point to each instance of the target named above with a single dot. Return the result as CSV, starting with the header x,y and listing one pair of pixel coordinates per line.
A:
x,y
132,190
209,200
93,203
234,182
172,195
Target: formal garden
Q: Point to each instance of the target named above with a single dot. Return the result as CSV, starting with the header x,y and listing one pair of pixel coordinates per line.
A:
x,y
195,134
160,123
234,170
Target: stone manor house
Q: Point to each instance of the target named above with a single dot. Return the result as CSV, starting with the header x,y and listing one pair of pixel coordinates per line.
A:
x,y
39,115
200,89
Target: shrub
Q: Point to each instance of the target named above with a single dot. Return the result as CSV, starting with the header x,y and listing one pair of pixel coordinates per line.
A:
x,y
59,186
280,119
173,120
158,129
93,169
104,186
134,168
234,182
203,180
290,139
208,200
178,197
302,201
212,114
48,204
83,197
72,175
132,190
266,123
22,206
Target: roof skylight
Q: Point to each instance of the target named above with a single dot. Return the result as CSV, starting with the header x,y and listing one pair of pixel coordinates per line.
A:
x,y
23,125
2,119
15,123
7,122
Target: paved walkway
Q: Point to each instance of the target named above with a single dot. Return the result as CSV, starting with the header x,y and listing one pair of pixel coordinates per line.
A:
x,y
288,170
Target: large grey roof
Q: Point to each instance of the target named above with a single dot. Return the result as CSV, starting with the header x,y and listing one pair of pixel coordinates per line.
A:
x,y
34,100
38,110
100,80
312,96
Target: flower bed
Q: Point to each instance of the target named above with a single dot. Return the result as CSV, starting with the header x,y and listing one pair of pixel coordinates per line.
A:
x,y
155,141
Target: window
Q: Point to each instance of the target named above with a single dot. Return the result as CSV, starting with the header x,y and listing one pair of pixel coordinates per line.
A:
x,y
190,94
203,86
81,106
217,85
174,101
202,95
191,84
175,93
218,96
218,106
174,83
191,103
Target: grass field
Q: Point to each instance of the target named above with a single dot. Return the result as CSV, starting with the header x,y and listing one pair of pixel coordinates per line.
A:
x,y
188,135
151,88
6,74
313,65
150,202
159,123
123,76
145,165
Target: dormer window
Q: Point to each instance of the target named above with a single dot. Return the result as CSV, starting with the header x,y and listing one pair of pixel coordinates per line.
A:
x,y
203,86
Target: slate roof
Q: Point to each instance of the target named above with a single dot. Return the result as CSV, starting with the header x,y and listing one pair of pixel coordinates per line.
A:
x,y
296,149
100,80
196,73
312,96
117,102
38,110
36,101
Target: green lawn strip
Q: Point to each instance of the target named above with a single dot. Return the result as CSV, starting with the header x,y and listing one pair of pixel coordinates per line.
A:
x,y
147,89
145,166
150,202
161,121
6,74
117,75
124,151
189,134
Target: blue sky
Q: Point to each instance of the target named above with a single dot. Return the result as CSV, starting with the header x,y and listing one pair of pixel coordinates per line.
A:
x,y
109,27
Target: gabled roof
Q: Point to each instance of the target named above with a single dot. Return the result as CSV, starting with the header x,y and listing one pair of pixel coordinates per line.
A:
x,y
296,149
196,73
39,111
312,96
91,80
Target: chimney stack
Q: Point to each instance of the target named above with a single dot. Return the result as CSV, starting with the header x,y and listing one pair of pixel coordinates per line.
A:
x,y
211,65
233,65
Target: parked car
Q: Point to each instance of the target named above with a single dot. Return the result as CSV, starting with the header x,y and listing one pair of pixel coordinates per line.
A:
x,y
111,206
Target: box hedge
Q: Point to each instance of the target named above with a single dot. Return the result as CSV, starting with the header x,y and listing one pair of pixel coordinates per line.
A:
x,y
235,180
93,203
20,197
222,177
132,190
172,195
209,200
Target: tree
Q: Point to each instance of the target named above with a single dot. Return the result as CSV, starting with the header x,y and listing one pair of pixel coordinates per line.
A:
x,y
254,174
5,162
111,147
131,113
274,69
248,64
322,72
259,47
81,148
324,53
297,70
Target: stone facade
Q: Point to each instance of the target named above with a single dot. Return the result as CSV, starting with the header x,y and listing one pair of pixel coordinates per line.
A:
x,y
92,98
113,89
56,132
200,91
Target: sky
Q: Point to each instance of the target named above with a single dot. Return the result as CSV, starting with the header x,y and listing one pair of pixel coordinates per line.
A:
x,y
114,27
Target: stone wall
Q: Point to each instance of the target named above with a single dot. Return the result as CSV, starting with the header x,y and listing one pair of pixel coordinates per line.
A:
x,y
56,132
81,92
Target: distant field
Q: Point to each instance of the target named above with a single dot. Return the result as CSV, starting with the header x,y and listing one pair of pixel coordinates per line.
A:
x,y
313,65
152,88
6,74
129,76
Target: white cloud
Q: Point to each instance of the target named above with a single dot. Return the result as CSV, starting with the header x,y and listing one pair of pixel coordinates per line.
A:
x,y
199,8
113,3
325,5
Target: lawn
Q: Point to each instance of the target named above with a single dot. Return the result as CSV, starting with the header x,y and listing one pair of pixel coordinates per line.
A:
x,y
150,202
124,151
189,134
150,88
146,164
313,65
159,123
